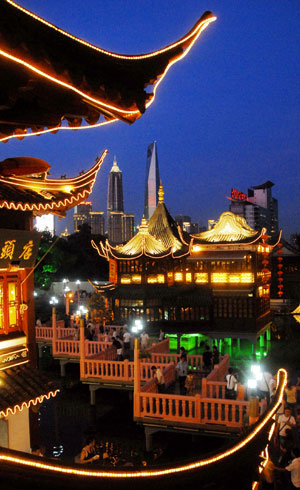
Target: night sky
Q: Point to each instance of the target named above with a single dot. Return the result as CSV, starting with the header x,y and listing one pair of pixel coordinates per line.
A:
x,y
226,116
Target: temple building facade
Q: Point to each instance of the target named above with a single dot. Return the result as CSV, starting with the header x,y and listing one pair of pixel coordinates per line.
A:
x,y
215,283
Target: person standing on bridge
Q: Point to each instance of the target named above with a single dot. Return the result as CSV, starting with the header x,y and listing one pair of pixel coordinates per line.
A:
x,y
182,370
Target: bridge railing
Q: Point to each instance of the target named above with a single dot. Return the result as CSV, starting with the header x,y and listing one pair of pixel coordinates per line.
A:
x,y
43,333
65,346
111,370
190,409
93,348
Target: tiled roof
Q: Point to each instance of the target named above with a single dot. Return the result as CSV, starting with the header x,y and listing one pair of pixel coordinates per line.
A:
x,y
23,386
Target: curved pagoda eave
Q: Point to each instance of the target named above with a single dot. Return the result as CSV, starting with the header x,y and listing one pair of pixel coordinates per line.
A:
x,y
47,196
46,63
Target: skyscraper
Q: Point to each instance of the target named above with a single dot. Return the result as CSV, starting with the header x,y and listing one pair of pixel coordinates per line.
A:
x,y
119,225
152,181
81,214
115,189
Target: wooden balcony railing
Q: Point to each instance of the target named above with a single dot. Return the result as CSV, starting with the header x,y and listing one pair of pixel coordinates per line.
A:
x,y
189,409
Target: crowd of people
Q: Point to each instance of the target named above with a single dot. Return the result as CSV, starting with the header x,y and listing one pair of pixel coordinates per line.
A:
x,y
282,470
114,454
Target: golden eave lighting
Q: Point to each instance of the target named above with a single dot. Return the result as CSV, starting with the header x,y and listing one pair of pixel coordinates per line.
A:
x,y
71,191
229,228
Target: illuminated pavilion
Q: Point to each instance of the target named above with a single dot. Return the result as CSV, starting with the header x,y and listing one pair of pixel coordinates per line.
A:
x,y
147,273
215,283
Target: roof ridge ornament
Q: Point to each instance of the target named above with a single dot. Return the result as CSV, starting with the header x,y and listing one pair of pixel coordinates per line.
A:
x,y
161,193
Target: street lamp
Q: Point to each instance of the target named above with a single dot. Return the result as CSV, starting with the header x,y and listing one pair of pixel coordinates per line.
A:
x,y
137,327
69,299
53,300
256,375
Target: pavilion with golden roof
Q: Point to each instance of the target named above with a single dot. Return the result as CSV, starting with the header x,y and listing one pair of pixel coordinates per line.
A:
x,y
146,272
215,283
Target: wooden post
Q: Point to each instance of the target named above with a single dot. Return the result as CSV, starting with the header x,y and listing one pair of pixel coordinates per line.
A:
x,y
137,378
253,409
81,348
54,332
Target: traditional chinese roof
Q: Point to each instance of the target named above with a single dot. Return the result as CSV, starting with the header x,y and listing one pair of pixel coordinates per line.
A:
x,y
48,75
158,238
43,195
143,243
23,386
163,227
230,228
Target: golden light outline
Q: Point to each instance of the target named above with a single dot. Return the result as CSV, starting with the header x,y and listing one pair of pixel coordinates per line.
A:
x,y
56,128
155,473
194,34
89,176
34,401
109,53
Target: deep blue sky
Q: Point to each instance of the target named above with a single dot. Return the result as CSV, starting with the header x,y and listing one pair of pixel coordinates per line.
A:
x,y
226,116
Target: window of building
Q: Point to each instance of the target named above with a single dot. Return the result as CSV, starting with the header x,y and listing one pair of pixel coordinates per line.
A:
x,y
9,304
201,277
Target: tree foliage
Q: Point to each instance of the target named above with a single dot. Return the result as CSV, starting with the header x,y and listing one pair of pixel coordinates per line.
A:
x,y
72,257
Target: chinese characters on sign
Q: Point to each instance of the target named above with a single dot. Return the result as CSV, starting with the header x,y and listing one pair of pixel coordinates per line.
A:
x,y
18,247
238,195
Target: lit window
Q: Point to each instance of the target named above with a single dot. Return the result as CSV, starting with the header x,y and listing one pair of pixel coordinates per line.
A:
x,y
12,304
160,278
247,277
234,278
178,276
219,277
188,277
126,279
136,278
152,279
201,277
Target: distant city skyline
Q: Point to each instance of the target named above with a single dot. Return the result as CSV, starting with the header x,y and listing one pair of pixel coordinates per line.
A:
x,y
227,116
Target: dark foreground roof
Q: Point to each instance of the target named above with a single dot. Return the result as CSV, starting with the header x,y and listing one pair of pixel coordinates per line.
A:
x,y
48,75
23,386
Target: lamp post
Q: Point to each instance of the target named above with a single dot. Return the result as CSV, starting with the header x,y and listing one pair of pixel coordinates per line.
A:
x,y
69,299
256,375
136,329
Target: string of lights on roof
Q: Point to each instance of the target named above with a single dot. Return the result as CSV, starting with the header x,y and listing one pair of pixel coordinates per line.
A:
x,y
80,186
112,111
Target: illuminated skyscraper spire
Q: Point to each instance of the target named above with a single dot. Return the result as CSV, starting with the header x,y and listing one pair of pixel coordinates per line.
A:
x,y
152,181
